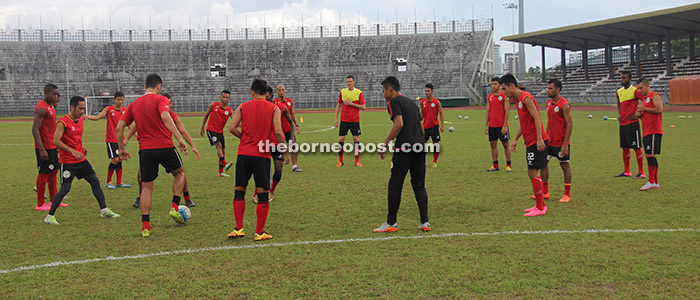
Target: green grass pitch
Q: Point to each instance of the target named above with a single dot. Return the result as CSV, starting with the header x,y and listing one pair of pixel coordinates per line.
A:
x,y
329,203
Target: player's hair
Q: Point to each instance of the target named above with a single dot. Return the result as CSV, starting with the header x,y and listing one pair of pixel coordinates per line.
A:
x,y
153,80
628,73
259,86
430,86
167,95
225,92
75,100
496,79
508,79
118,94
643,80
49,88
556,82
270,90
391,82
350,76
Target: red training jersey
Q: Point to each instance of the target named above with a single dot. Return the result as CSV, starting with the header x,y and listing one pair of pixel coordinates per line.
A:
x,y
430,112
145,111
73,138
527,123
256,126
348,113
218,117
290,104
497,111
651,122
113,116
282,106
556,122
629,99
48,125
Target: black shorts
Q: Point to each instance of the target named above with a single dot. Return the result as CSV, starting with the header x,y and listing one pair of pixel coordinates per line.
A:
x,y
288,136
47,166
630,136
554,152
652,144
276,154
536,160
112,150
215,137
149,159
495,134
433,133
258,167
79,170
354,128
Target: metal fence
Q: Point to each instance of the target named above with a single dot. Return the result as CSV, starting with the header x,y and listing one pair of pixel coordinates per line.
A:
x,y
222,34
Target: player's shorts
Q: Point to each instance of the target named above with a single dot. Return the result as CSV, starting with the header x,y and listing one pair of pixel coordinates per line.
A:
x,y
630,136
258,167
354,128
554,152
288,136
433,133
47,166
276,154
215,137
536,160
112,150
652,144
495,134
78,170
149,159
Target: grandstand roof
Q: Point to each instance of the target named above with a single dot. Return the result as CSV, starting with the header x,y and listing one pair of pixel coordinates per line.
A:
x,y
680,20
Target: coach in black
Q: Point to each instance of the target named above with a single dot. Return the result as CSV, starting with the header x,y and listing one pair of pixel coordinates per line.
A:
x,y
409,154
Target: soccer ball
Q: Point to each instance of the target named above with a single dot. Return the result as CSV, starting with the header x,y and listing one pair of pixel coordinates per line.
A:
x,y
459,117
516,117
466,117
590,116
451,129
605,117
184,212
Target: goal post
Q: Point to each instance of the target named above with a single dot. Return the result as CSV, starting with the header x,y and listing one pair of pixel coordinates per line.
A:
x,y
95,104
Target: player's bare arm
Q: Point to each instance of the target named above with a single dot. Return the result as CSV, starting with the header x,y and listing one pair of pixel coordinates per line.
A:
x,y
119,131
442,118
277,125
515,140
530,104
170,125
60,128
291,121
99,116
395,129
569,128
506,110
38,119
488,108
186,135
658,106
235,123
204,121
337,111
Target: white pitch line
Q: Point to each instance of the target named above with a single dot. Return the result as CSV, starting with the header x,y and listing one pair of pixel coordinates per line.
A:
x,y
337,241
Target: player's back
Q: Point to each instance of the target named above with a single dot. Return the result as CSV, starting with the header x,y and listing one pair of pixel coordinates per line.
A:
x,y
145,111
256,127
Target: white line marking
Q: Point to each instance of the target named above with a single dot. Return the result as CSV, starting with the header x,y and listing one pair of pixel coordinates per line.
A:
x,y
336,241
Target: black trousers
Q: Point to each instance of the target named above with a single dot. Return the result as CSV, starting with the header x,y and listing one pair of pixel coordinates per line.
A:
x,y
402,163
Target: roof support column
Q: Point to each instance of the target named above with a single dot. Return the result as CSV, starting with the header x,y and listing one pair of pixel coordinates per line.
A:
x,y
563,61
609,57
632,51
692,45
660,48
668,52
584,56
637,54
544,74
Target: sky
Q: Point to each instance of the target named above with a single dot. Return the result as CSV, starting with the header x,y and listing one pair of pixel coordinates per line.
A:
x,y
116,14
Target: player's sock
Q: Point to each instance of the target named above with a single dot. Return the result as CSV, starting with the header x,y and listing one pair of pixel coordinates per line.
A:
x,y
567,189
119,173
261,212
640,160
539,194
653,169
41,189
239,208
51,182
176,202
508,163
110,171
435,156
545,187
626,159
186,195
146,222
222,163
274,185
495,164
340,154
357,152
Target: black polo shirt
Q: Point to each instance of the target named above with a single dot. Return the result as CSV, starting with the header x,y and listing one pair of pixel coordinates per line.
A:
x,y
412,131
